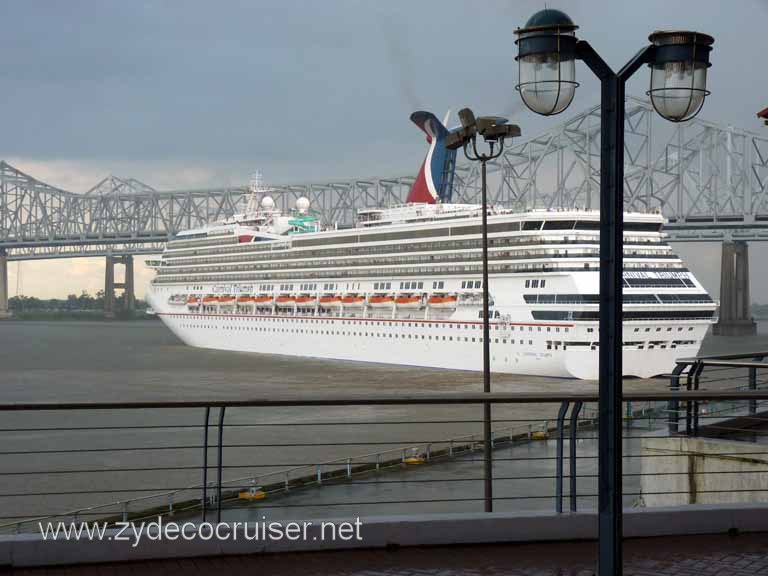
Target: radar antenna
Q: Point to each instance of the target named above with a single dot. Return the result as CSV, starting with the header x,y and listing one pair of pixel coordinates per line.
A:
x,y
256,189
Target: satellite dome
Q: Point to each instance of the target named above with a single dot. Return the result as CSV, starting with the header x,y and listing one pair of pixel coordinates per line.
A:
x,y
267,203
302,204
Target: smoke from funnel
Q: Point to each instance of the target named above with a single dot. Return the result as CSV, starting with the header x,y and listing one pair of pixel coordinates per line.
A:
x,y
398,53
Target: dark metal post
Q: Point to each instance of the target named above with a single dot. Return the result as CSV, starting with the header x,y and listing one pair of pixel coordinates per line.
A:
x,y
205,461
574,428
486,339
612,88
487,440
559,460
696,403
753,386
219,466
673,406
611,282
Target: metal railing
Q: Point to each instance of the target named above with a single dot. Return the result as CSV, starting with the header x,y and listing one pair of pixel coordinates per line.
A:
x,y
724,371
283,482
86,466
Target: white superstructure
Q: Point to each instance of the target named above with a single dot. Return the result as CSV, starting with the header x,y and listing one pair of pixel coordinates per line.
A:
x,y
404,287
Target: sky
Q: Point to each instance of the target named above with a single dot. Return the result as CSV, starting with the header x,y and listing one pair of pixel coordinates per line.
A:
x,y
193,94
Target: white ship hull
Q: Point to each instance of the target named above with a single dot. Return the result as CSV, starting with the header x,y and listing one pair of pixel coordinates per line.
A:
x,y
393,343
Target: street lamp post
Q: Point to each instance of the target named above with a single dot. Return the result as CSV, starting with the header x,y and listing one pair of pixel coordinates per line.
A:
x,y
547,51
494,130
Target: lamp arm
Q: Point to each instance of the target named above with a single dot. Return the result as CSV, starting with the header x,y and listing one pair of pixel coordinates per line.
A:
x,y
644,56
592,59
474,148
499,151
467,154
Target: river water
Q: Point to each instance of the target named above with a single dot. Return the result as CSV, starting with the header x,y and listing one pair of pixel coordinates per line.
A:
x,y
128,361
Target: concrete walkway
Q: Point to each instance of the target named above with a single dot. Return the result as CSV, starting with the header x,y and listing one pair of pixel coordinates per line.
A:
x,y
743,555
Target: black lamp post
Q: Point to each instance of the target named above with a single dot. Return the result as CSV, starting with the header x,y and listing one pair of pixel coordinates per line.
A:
x,y
494,130
547,51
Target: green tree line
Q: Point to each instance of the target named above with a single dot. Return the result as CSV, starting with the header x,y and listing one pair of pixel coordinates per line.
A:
x,y
72,303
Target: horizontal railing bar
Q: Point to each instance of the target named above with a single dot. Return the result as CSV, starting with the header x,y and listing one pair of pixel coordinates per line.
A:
x,y
448,398
735,356
340,461
342,482
214,425
425,501
405,444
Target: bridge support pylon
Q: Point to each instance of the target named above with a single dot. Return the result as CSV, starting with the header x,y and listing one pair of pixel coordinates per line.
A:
x,y
4,312
129,295
735,306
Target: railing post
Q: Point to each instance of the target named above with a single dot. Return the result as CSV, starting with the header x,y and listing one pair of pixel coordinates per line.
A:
x,y
349,468
674,405
205,461
287,482
559,461
125,511
688,387
319,473
696,402
753,386
219,464
574,427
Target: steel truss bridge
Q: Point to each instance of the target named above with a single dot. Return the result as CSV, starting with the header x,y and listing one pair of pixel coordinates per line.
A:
x,y
709,180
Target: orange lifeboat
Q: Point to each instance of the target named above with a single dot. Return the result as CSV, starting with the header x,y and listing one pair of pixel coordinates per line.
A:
x,y
306,301
353,300
226,299
443,301
330,301
263,300
408,302
380,301
245,299
211,300
286,301
193,302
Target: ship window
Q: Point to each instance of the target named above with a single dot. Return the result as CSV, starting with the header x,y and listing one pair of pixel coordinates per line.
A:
x,y
478,284
421,284
532,225
527,284
441,284
542,283
559,224
389,285
589,225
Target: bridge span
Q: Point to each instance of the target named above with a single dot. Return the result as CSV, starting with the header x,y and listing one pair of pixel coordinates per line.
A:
x,y
708,179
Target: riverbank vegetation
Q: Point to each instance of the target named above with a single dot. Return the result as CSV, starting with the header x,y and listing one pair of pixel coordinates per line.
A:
x,y
74,307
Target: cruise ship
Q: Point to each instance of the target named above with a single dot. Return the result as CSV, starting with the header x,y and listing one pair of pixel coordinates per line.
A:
x,y
404,286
